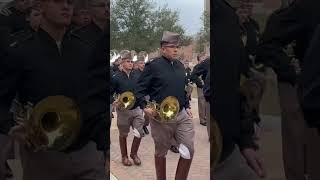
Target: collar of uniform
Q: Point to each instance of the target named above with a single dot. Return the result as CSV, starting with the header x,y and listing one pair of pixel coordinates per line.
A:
x,y
169,61
124,73
44,35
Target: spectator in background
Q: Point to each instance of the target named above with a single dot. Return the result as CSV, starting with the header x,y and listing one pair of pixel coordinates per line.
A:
x,y
81,16
14,18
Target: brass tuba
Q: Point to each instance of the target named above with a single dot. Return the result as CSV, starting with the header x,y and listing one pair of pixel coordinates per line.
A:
x,y
125,101
167,110
53,124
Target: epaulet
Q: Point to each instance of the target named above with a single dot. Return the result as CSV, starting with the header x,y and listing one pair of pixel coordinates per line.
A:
x,y
24,39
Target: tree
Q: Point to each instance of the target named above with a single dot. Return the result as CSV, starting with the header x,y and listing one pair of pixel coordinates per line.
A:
x,y
204,34
137,25
130,24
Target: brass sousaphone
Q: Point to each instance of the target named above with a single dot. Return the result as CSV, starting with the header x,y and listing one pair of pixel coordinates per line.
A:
x,y
167,110
125,100
53,124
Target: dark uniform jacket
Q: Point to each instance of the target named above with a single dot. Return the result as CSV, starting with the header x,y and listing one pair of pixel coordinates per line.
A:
x,y
16,21
121,82
90,32
207,91
4,39
162,78
138,72
52,71
99,71
225,78
200,70
252,31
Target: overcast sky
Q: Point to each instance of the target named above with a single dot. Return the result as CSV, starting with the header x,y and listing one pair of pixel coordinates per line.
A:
x,y
190,13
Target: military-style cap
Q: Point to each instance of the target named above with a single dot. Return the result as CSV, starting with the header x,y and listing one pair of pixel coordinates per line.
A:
x,y
125,54
140,58
170,38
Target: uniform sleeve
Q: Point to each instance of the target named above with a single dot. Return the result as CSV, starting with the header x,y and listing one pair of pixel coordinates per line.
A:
x,y
194,78
282,28
10,73
206,88
187,97
143,86
198,71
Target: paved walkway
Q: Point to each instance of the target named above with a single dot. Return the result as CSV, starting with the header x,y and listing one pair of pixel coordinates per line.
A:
x,y
200,167
270,149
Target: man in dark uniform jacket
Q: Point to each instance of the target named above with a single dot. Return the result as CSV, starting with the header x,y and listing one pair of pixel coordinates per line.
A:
x,y
161,78
250,29
100,21
297,22
81,16
238,145
140,65
123,81
200,71
92,33
33,16
5,141
64,66
14,17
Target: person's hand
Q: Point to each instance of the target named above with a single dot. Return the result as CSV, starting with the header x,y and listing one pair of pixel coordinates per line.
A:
x,y
115,104
254,161
150,113
189,112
